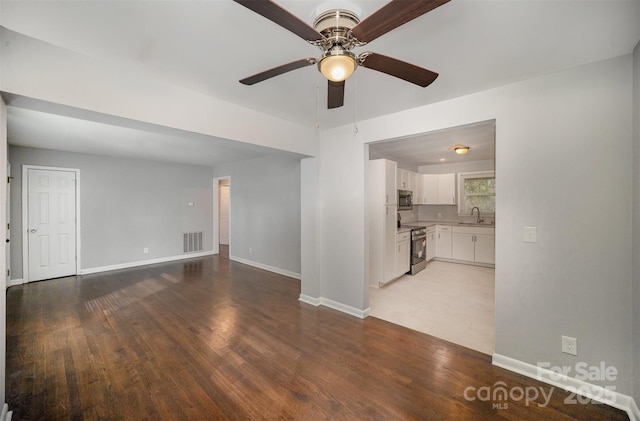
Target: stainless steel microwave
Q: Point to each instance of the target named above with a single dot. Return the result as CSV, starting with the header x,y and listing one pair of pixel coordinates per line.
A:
x,y
405,200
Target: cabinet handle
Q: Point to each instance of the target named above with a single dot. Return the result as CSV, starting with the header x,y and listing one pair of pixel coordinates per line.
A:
x,y
387,199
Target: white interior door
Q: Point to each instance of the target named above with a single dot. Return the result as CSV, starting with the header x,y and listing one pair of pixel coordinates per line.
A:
x,y
224,214
51,228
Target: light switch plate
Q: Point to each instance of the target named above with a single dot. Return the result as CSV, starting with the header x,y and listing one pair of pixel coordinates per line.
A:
x,y
530,234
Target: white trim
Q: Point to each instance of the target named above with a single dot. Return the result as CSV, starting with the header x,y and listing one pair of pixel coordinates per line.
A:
x,y
15,282
460,179
215,212
309,300
266,267
591,391
25,215
321,301
145,262
634,412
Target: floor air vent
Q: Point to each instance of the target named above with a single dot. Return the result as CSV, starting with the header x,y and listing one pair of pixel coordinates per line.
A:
x,y
192,241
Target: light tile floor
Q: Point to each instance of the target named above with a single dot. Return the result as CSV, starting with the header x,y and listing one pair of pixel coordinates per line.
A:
x,y
455,302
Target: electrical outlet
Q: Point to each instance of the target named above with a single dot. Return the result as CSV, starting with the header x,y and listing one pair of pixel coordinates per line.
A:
x,y
530,234
145,250
569,345
250,250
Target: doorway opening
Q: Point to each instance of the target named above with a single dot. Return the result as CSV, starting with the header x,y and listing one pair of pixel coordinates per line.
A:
x,y
453,297
222,215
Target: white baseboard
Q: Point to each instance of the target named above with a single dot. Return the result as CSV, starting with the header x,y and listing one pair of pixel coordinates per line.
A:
x,y
634,411
266,267
309,300
14,282
321,301
145,262
580,387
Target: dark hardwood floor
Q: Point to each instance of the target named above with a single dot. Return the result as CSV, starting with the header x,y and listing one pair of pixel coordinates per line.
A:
x,y
211,339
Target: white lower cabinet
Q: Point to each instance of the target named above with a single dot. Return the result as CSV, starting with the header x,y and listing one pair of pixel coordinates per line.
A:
x,y
403,254
431,243
473,244
391,228
486,248
443,241
462,246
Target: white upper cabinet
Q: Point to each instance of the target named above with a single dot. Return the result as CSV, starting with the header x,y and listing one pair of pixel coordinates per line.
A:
x,y
403,179
391,194
446,189
413,182
418,193
382,182
438,189
430,189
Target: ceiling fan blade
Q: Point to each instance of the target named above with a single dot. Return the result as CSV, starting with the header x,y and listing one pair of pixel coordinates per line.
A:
x,y
392,15
335,94
282,17
399,69
267,74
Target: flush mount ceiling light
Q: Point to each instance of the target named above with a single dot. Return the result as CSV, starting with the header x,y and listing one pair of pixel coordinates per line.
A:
x,y
459,149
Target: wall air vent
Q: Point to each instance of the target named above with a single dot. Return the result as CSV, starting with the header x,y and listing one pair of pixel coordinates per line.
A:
x,y
192,241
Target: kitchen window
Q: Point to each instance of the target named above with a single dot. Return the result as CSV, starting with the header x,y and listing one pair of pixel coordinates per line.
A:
x,y
477,189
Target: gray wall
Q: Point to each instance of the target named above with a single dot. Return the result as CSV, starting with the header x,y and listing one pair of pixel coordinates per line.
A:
x,y
636,222
3,289
125,206
562,165
265,211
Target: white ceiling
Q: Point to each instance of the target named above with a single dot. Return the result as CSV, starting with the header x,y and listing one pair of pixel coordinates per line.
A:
x,y
436,147
209,45
51,131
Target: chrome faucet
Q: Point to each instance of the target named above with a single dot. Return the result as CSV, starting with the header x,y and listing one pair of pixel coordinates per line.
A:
x,y
477,220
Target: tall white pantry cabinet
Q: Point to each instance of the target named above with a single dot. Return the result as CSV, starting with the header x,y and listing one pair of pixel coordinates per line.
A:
x,y
383,210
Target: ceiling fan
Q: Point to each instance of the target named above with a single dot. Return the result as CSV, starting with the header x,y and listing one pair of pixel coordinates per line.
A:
x,y
336,32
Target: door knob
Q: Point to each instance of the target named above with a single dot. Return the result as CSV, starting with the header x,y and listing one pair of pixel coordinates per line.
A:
x,y
33,230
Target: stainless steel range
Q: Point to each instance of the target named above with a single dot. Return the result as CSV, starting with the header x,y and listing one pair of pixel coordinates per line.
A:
x,y
418,249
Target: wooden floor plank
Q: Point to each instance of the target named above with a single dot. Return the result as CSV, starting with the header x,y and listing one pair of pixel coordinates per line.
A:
x,y
213,339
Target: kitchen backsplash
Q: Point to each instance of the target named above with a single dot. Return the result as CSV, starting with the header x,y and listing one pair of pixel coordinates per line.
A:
x,y
409,216
445,213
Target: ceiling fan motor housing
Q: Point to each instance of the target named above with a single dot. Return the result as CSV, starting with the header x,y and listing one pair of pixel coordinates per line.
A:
x,y
336,25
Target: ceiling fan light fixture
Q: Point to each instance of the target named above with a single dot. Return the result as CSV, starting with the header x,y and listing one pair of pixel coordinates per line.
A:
x,y
461,150
337,68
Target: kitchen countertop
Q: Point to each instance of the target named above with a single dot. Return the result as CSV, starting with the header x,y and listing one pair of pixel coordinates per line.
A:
x,y
403,229
451,223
